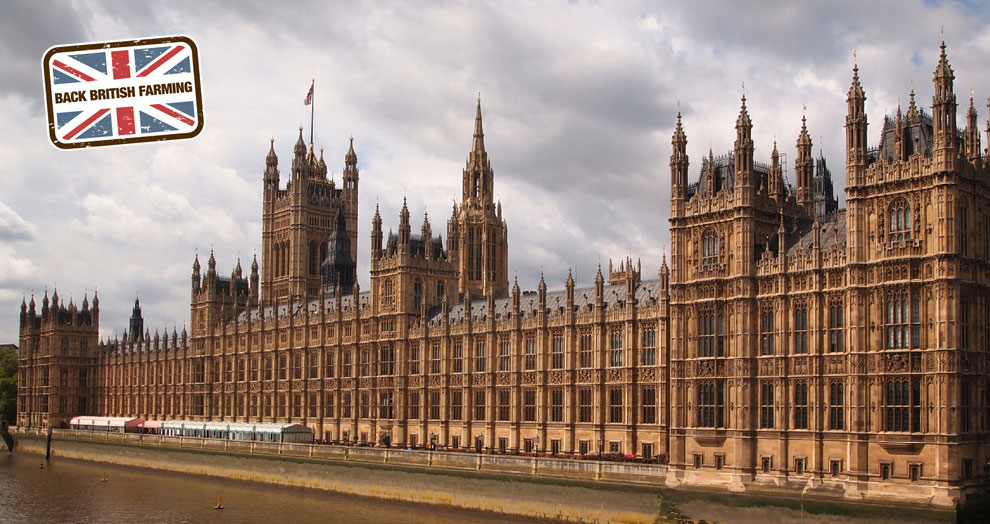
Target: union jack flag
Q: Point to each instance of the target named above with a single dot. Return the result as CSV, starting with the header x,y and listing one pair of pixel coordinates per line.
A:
x,y
121,92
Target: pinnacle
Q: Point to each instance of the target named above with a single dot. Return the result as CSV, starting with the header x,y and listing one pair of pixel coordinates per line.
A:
x,y
479,134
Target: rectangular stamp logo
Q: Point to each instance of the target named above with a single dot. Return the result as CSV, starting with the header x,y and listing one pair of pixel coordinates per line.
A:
x,y
110,93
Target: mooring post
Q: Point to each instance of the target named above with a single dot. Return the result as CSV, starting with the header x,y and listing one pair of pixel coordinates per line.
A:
x,y
48,446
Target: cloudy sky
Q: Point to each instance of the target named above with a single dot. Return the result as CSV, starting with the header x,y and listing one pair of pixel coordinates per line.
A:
x,y
579,100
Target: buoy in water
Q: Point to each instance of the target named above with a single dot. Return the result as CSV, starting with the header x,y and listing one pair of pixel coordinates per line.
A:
x,y
42,466
104,479
219,505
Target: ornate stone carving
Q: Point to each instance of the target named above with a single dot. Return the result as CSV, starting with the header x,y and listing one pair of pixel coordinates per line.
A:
x,y
584,376
614,375
557,377
529,377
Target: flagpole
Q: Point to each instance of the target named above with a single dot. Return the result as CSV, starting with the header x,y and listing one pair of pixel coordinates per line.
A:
x,y
312,108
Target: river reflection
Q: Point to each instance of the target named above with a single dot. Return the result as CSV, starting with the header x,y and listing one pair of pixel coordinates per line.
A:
x,y
68,491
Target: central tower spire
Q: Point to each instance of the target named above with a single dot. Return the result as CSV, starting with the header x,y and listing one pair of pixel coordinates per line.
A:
x,y
481,234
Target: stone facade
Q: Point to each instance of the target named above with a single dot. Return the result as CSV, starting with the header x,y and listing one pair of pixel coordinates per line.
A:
x,y
789,343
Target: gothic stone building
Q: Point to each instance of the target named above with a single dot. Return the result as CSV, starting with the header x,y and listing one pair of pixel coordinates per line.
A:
x,y
789,343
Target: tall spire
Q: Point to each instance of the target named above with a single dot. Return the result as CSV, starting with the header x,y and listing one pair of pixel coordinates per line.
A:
x,y
743,150
479,134
804,168
856,125
944,112
679,161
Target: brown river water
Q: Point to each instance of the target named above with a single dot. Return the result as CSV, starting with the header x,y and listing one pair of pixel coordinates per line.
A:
x,y
68,491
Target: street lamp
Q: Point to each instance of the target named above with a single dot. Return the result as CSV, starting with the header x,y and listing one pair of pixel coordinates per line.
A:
x,y
537,450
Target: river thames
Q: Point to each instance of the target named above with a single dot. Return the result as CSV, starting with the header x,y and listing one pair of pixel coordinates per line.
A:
x,y
68,491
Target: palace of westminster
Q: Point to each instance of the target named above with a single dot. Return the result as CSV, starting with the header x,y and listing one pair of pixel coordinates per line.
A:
x,y
787,340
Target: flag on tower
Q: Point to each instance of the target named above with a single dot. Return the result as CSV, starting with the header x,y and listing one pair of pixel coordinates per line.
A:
x,y
309,96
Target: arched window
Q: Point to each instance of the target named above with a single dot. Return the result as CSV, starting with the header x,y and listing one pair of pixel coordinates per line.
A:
x,y
314,261
902,319
477,186
900,221
709,247
417,294
387,294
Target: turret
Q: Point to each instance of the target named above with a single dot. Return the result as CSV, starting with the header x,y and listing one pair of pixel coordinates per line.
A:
x,y
743,150
856,124
271,176
678,166
775,182
299,156
944,114
350,195
405,231
24,316
804,169
255,279
137,321
426,233
376,235
95,311
972,136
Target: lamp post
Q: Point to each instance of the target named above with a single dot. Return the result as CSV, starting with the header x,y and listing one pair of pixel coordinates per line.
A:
x,y
537,450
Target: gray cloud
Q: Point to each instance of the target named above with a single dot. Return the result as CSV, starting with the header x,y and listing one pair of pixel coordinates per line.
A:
x,y
579,100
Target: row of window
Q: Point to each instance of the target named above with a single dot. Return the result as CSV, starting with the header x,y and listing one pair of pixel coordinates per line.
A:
x,y
901,405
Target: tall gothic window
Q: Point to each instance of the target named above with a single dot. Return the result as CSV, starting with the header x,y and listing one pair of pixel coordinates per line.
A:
x,y
529,359
836,405
801,329
529,405
417,294
709,247
386,404
458,358
504,358
388,296
766,331
435,359
615,349
902,320
479,356
711,402
649,347
766,405
649,405
414,359
711,333
902,405
900,221
615,405
557,352
556,405
835,324
584,405
386,361
585,350
314,259
963,231
801,405
964,324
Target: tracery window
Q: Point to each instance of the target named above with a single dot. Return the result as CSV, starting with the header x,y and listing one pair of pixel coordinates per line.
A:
x,y
766,332
649,347
529,359
711,333
557,352
711,402
556,405
836,405
900,221
649,405
835,325
479,356
801,329
584,405
902,405
585,350
386,361
801,405
388,295
504,358
615,349
709,247
502,408
529,405
615,405
902,320
766,405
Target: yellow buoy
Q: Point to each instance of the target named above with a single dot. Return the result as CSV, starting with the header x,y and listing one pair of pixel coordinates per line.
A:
x,y
219,505
104,479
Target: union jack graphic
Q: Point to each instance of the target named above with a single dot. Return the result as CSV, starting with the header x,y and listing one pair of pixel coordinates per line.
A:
x,y
123,92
